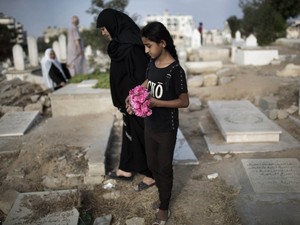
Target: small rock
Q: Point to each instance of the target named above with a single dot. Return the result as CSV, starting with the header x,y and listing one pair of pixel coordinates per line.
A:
x,y
135,221
292,109
212,176
282,114
225,80
210,80
35,98
109,184
112,195
218,157
227,156
34,107
195,81
105,220
273,114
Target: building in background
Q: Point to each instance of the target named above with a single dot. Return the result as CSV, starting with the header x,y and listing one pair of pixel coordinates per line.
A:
x,y
18,35
182,28
52,32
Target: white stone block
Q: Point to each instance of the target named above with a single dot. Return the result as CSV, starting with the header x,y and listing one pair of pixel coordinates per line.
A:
x,y
255,56
200,67
241,121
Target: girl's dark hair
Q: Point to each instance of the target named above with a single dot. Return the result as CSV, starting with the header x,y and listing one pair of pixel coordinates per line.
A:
x,y
156,32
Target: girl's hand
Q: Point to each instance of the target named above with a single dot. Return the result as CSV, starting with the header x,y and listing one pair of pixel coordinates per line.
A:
x,y
153,102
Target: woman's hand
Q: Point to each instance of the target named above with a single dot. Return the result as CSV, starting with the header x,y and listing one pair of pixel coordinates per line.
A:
x,y
128,106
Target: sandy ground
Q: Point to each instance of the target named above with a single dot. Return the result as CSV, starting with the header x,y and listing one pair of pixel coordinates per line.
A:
x,y
196,200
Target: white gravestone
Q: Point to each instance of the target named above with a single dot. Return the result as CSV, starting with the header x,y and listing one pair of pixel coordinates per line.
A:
x,y
16,123
63,47
56,49
32,51
273,175
238,35
18,57
251,41
241,121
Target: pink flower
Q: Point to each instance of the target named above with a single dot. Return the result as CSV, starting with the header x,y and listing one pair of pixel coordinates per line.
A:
x,y
139,101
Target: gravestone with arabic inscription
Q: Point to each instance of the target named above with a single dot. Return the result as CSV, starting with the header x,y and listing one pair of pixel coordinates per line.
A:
x,y
16,123
277,175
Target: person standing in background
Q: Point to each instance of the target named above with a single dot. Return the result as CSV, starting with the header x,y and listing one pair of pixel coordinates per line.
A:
x,y
75,56
200,29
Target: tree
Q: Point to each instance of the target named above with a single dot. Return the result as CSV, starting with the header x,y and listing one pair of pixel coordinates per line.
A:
x,y
287,9
267,19
234,24
98,5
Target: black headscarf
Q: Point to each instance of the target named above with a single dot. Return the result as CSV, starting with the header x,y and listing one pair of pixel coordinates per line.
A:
x,y
124,32
127,53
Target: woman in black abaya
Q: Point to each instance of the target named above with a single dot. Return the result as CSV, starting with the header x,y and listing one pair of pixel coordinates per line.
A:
x,y
127,70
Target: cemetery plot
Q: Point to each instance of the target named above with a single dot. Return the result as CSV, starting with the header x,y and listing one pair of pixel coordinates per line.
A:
x,y
241,121
44,208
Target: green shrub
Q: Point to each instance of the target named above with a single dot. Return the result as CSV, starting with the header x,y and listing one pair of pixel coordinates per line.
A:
x,y
103,79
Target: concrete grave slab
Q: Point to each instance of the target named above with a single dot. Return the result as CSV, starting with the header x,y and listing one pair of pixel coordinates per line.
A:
x,y
200,67
74,100
21,212
268,208
87,83
16,123
183,154
255,56
280,175
217,144
4,145
241,121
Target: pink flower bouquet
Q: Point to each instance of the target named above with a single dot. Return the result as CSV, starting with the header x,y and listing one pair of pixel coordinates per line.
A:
x,y
139,101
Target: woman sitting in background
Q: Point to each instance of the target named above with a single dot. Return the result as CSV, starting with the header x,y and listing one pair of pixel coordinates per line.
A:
x,y
54,75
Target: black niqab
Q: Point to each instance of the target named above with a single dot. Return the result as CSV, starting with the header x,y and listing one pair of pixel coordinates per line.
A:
x,y
127,54
124,32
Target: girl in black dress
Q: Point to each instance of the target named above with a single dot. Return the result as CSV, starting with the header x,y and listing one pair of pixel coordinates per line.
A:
x,y
166,82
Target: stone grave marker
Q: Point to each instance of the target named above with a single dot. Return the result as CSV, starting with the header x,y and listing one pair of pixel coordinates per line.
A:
x,y
281,175
183,153
18,57
62,41
32,51
56,49
22,212
240,121
16,123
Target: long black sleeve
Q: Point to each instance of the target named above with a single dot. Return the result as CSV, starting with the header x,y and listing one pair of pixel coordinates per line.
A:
x,y
55,75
